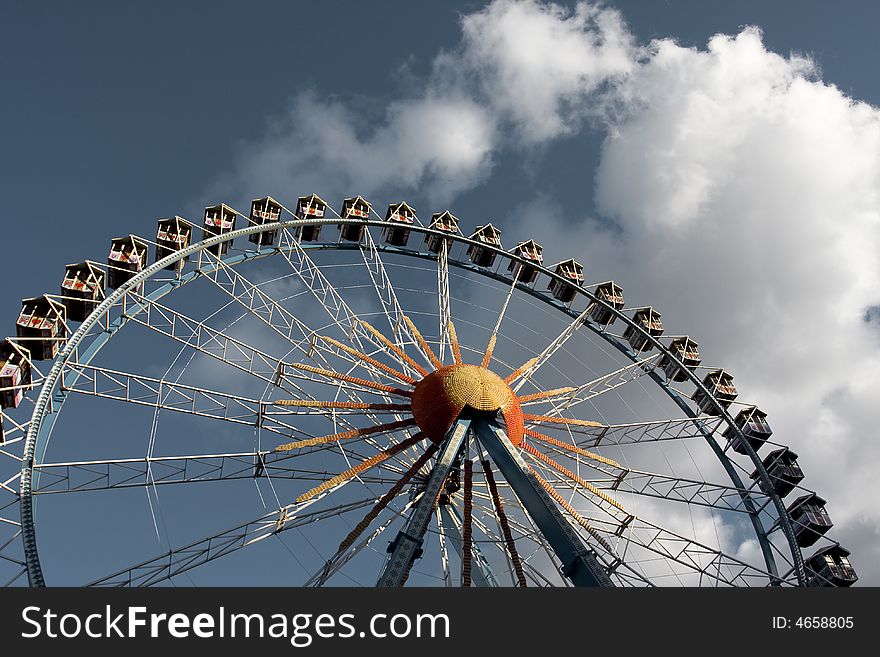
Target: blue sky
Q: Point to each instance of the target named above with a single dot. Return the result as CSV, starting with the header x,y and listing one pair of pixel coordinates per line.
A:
x,y
115,114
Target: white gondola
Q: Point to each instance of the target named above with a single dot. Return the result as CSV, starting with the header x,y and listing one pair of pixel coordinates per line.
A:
x,y
572,273
128,257
310,207
685,350
720,386
532,253
42,321
400,217
612,294
82,289
219,220
486,235
357,208
264,210
445,222
15,373
649,320
172,235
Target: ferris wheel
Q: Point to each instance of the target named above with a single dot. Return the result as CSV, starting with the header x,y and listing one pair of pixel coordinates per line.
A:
x,y
326,397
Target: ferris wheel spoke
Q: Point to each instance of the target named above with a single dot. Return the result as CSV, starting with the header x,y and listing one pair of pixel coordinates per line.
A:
x,y
384,288
271,313
344,555
691,491
326,294
181,398
708,562
258,303
78,476
180,560
445,314
601,385
266,309
641,432
532,533
205,339
237,353
528,369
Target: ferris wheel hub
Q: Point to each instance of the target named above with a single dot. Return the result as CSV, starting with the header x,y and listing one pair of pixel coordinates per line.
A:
x,y
440,397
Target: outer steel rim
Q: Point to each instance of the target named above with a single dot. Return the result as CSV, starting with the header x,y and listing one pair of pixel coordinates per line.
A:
x,y
50,399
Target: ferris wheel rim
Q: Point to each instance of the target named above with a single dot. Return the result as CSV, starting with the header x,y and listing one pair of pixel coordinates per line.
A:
x,y
37,432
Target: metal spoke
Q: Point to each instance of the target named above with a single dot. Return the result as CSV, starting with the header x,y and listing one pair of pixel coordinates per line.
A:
x,y
555,345
601,385
388,297
443,296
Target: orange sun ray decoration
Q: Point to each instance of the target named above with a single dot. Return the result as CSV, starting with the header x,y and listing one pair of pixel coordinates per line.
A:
x,y
397,350
436,401
546,394
456,348
400,376
362,467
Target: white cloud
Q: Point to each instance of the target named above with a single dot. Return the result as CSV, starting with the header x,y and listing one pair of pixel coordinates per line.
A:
x,y
443,143
537,63
746,191
520,63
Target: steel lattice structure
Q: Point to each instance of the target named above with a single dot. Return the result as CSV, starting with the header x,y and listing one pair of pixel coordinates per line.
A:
x,y
465,464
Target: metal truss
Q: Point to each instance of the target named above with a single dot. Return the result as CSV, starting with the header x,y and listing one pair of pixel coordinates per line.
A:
x,y
79,476
443,296
388,299
605,383
178,561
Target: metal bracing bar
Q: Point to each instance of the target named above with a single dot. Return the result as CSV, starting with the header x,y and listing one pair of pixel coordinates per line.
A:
x,y
77,476
326,294
183,559
580,563
202,338
443,291
407,546
709,562
481,570
236,353
259,303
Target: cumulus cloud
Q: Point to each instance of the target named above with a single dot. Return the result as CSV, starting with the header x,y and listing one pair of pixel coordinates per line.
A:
x,y
520,64
746,193
538,63
443,143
